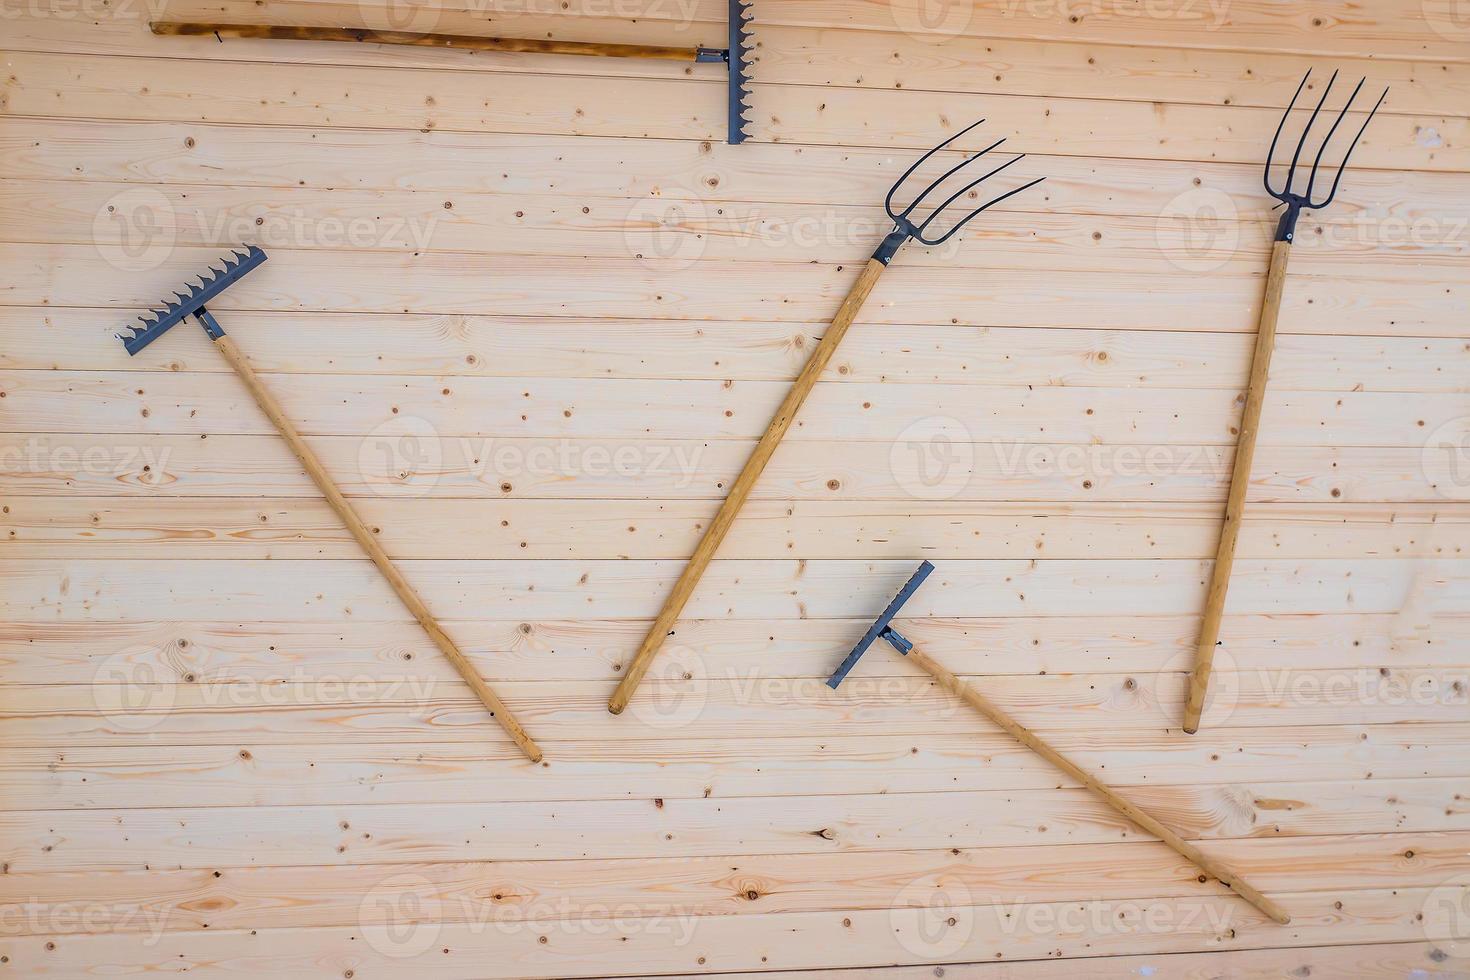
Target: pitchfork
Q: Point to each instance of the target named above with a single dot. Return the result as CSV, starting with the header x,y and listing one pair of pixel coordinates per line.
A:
x,y
1250,421
904,228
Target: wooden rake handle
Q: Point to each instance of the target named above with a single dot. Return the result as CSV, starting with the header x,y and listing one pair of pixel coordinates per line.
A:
x,y
464,42
369,543
1240,481
970,695
744,483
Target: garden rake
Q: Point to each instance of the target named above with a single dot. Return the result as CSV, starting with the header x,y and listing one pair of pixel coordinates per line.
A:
x,y
904,228
1250,420
736,58
953,685
192,303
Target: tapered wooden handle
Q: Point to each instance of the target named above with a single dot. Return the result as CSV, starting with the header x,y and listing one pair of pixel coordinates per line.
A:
x,y
369,543
744,483
968,693
465,42
1240,481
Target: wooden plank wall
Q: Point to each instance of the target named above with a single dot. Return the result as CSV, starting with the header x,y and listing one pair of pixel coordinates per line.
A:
x,y
533,312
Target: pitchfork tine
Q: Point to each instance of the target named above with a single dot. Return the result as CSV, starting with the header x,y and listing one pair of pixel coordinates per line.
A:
x,y
1351,146
1291,171
1332,130
919,236
888,200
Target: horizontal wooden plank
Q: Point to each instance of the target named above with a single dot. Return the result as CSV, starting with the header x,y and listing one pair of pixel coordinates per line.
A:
x,y
918,932
322,591
894,58
254,774
128,706
547,347
138,227
1379,961
396,465
264,652
242,527
432,282
215,837
1378,28
917,418
87,86
1386,203
524,891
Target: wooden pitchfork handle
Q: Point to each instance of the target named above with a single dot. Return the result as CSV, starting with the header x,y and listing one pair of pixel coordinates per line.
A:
x,y
744,483
971,696
1240,481
369,543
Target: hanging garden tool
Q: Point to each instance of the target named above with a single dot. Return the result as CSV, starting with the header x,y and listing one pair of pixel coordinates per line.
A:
x,y
192,303
903,229
1250,419
950,684
736,57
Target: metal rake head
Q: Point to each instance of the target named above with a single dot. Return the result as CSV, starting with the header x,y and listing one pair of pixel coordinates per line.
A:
x,y
905,228
152,325
1297,202
737,59
882,627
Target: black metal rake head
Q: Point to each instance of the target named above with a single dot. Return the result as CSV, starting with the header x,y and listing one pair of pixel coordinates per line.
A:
x,y
152,325
905,228
1297,202
737,59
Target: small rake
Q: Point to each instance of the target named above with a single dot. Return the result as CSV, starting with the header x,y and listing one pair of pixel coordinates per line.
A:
x,y
736,58
192,303
953,685
1250,420
904,228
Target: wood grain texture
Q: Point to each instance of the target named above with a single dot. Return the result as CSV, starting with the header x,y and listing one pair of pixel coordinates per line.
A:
x,y
532,313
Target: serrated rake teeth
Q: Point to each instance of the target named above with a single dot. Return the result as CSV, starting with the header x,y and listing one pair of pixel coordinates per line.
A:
x,y
741,49
152,325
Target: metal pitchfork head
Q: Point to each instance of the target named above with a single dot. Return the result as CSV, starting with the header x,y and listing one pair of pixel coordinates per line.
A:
x,y
1296,203
904,228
